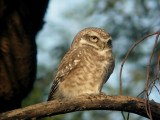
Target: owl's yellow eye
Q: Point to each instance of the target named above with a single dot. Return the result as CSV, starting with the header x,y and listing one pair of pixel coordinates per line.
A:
x,y
94,39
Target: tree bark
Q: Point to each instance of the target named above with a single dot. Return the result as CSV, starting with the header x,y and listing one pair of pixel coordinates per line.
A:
x,y
61,106
19,22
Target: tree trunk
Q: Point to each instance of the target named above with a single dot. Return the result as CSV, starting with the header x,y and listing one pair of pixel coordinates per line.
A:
x,y
19,22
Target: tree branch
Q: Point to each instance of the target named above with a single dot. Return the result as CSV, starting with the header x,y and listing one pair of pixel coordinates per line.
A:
x,y
55,107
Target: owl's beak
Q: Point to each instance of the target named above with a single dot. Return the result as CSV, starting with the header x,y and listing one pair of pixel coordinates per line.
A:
x,y
102,45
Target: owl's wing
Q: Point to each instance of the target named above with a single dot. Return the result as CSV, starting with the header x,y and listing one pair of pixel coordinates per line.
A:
x,y
109,71
69,62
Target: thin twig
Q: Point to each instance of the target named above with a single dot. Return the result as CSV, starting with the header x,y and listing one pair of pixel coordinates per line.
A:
x,y
158,67
152,87
148,66
127,57
152,82
156,78
157,89
147,105
148,77
128,116
123,115
140,93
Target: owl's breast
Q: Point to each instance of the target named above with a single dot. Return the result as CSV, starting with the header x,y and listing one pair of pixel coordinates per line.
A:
x,y
97,67
88,76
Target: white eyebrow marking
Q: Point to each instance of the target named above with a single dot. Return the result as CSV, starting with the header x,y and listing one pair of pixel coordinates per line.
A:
x,y
110,38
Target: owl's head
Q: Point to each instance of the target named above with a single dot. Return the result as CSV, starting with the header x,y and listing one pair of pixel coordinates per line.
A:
x,y
95,37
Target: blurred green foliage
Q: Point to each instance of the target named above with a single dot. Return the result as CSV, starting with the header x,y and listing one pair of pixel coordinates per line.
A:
x,y
127,22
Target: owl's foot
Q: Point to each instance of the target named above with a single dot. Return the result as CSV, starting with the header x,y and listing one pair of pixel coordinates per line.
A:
x,y
84,95
103,94
89,96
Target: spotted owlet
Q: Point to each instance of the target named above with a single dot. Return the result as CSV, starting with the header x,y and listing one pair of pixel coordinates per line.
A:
x,y
86,66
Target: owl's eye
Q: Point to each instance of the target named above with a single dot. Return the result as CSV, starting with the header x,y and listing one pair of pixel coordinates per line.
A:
x,y
93,38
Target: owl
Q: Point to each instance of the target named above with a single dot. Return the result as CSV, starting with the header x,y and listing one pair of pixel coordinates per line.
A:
x,y
86,67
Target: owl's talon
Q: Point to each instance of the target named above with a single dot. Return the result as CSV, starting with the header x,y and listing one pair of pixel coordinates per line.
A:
x,y
103,94
84,95
92,96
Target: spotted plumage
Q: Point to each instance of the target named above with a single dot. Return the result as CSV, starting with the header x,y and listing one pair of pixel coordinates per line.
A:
x,y
86,66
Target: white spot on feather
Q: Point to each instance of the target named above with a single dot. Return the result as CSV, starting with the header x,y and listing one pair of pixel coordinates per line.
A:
x,y
76,61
